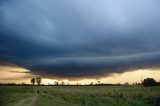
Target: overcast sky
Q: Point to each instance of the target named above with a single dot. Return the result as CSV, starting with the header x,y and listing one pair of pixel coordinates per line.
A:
x,y
78,38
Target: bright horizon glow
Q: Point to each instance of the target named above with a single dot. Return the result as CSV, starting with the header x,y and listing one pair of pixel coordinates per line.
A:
x,y
21,75
80,40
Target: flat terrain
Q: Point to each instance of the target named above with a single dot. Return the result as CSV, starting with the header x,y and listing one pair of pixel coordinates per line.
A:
x,y
78,95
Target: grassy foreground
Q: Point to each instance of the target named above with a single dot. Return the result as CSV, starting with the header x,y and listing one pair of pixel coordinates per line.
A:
x,y
78,96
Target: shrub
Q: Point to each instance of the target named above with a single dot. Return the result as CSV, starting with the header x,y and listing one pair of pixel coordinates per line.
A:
x,y
148,82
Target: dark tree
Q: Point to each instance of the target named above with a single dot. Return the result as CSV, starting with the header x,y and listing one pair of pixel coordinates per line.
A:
x,y
91,83
56,83
62,83
98,82
38,81
33,80
148,82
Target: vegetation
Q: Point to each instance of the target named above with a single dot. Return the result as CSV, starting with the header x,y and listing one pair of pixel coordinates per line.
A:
x,y
93,94
38,80
149,82
56,83
78,95
33,80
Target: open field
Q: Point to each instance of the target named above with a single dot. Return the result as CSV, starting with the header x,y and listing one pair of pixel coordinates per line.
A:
x,y
78,95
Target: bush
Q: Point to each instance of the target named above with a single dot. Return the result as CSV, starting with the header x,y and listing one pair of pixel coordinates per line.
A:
x,y
148,82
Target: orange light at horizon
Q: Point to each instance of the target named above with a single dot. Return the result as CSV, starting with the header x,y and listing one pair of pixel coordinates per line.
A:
x,y
20,75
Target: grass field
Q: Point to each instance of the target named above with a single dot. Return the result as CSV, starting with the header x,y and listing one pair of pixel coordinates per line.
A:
x,y
78,96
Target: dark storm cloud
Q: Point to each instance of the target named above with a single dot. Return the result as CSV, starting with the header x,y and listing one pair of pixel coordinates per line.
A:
x,y
80,38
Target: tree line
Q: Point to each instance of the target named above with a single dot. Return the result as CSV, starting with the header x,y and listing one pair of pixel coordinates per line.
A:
x,y
37,81
146,82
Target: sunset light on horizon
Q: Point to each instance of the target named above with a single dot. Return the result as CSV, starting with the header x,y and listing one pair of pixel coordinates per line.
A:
x,y
20,75
79,41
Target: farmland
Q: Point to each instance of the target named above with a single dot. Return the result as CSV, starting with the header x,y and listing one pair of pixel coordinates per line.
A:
x,y
78,95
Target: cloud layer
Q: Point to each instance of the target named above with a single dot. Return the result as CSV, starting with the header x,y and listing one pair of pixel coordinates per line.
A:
x,y
80,38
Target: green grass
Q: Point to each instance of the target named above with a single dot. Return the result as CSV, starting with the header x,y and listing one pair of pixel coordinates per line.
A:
x,y
78,96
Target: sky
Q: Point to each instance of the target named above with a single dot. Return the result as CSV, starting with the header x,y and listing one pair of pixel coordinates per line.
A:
x,y
79,39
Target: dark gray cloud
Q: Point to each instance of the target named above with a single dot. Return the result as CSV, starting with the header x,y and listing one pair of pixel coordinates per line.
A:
x,y
80,38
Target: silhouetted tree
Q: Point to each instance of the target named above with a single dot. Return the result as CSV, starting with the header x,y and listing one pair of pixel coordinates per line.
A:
x,y
23,83
149,82
91,83
38,81
33,80
126,84
62,83
56,83
136,83
98,82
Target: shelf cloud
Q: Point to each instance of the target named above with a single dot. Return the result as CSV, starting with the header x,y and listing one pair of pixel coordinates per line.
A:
x,y
88,38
